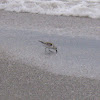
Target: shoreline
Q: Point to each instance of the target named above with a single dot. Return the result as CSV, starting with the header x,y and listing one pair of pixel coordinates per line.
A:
x,y
51,24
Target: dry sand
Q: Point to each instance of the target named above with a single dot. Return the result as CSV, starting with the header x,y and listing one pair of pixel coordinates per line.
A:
x,y
19,81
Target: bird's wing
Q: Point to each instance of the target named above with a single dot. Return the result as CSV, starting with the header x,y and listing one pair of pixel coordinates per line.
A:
x,y
48,43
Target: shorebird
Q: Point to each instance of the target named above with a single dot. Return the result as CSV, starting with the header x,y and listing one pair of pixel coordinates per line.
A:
x,y
49,45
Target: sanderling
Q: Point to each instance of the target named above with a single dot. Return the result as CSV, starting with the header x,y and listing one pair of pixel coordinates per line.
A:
x,y
49,45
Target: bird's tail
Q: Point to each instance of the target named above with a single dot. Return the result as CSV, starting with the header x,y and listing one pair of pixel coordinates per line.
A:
x,y
42,42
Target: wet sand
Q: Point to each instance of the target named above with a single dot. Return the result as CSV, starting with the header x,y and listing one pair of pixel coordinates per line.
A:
x,y
19,81
70,26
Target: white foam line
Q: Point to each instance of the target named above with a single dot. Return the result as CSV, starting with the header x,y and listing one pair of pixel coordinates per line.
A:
x,y
54,7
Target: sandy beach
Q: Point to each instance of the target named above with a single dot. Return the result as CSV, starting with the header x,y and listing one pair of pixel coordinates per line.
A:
x,y
22,81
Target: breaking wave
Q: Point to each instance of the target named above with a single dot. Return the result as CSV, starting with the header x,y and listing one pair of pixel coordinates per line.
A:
x,y
81,8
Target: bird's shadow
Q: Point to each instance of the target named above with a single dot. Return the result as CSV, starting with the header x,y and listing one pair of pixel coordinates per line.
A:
x,y
50,52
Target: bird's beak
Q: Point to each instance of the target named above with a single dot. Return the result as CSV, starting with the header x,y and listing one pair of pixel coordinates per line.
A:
x,y
56,50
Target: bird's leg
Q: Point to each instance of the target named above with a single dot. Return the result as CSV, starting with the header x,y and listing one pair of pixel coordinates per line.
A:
x,y
49,50
45,49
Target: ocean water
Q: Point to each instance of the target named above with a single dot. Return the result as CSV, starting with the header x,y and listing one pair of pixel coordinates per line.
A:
x,y
81,8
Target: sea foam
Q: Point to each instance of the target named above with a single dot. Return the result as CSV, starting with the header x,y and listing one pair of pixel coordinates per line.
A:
x,y
81,8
